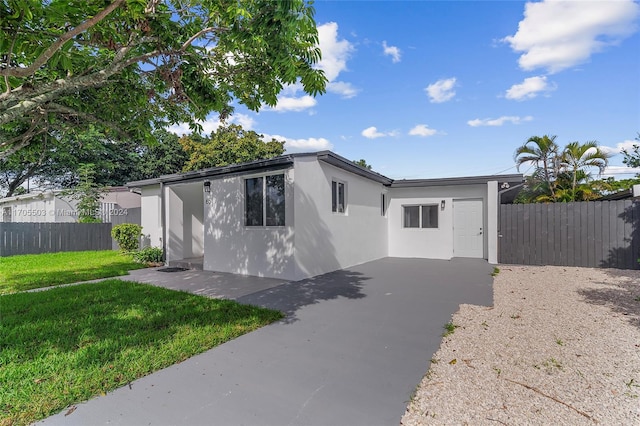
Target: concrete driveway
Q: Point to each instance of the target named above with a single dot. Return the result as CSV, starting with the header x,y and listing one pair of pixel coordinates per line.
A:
x,y
353,346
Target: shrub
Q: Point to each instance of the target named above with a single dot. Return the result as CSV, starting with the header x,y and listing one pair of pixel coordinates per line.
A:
x,y
148,255
127,235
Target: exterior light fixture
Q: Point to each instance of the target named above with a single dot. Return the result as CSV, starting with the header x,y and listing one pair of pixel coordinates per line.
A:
x,y
207,186
442,203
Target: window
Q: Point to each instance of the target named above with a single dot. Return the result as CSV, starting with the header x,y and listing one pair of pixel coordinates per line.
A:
x,y
338,204
275,200
264,201
383,204
420,216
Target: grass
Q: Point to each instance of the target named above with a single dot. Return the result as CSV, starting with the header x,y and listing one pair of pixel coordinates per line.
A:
x,y
25,272
495,272
69,344
449,328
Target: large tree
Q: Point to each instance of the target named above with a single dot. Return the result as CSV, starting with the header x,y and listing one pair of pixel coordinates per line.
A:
x,y
54,161
129,66
542,152
561,175
577,158
632,158
228,145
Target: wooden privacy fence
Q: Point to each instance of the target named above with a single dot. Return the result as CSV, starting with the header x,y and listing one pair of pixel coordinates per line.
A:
x,y
602,234
34,238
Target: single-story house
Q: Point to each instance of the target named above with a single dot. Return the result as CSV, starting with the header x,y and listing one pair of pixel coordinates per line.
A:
x,y
57,206
301,215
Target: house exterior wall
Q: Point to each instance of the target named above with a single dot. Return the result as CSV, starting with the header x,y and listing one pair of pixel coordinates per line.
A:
x,y
429,243
45,207
230,246
151,221
326,241
184,217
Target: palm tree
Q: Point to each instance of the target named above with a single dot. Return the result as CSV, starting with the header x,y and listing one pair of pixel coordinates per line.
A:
x,y
542,151
577,157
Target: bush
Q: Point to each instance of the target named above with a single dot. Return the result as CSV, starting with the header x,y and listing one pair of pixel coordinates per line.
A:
x,y
148,255
127,235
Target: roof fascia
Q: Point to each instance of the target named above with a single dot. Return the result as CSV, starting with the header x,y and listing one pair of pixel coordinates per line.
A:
x,y
276,163
342,163
469,180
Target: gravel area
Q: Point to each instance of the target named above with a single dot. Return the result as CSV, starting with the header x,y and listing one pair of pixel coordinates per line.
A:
x,y
561,345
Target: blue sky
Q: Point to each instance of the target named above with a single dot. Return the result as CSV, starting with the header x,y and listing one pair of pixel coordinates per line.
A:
x,y
427,89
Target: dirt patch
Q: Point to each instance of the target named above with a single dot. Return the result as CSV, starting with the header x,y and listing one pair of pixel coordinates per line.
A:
x,y
560,346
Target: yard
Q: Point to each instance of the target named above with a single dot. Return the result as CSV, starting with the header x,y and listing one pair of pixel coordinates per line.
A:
x,y
561,345
26,272
68,344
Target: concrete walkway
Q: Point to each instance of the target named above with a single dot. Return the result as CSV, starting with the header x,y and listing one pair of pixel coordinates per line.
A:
x,y
203,283
354,345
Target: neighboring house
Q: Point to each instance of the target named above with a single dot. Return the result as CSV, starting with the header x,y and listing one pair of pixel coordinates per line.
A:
x,y
54,206
625,194
302,215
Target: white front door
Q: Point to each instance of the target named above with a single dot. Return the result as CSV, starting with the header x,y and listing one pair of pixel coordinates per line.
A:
x,y
468,235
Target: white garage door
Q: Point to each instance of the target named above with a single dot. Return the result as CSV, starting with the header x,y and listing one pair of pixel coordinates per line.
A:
x,y
468,235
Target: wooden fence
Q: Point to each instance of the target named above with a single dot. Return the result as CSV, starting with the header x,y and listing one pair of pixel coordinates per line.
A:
x,y
602,234
34,238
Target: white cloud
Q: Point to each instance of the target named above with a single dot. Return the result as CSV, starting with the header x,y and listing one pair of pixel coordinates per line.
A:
x,y
373,133
392,51
244,120
422,130
211,125
335,53
627,144
287,103
208,126
441,90
619,170
556,35
498,121
346,90
529,88
302,145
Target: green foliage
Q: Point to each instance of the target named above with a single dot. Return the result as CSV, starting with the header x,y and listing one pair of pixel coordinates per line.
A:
x,y
89,194
632,159
560,175
131,66
363,163
127,235
228,145
67,345
148,255
449,328
163,156
29,271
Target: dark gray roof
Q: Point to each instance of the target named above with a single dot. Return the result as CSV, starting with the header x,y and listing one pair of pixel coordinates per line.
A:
x,y
469,180
286,161
341,162
275,163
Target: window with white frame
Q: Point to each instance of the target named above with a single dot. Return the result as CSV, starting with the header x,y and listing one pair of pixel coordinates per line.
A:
x,y
264,201
338,197
422,216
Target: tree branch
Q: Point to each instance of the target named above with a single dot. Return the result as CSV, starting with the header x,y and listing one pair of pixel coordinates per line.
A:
x,y
15,144
198,34
48,53
62,109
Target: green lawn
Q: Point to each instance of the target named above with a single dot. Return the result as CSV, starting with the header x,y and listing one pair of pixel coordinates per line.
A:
x,y
19,273
69,344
